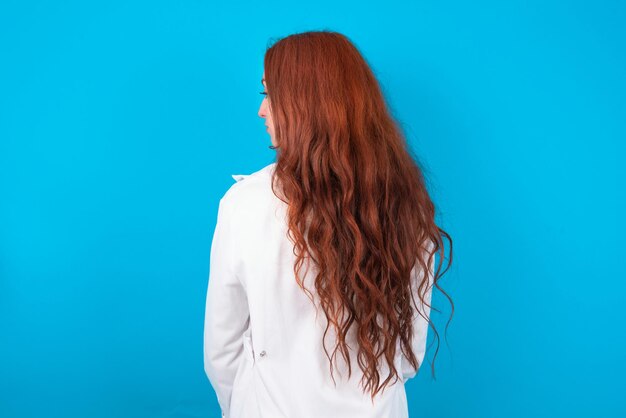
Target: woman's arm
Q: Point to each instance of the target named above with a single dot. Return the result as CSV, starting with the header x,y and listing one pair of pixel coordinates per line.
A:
x,y
420,324
227,314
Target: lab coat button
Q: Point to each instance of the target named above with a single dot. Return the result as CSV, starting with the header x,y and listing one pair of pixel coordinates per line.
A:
x,y
262,353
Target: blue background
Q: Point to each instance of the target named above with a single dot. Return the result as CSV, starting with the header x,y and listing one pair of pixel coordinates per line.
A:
x,y
121,123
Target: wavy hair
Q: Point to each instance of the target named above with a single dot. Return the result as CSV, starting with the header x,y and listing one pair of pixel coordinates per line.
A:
x,y
357,201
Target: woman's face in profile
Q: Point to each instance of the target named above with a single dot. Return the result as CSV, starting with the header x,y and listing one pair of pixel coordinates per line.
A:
x,y
264,112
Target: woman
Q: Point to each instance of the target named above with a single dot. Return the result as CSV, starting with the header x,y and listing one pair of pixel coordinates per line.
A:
x,y
317,302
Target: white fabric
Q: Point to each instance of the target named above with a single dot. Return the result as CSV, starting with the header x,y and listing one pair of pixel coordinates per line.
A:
x,y
262,340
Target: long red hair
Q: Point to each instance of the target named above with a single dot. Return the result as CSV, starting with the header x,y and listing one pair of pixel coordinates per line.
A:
x,y
357,201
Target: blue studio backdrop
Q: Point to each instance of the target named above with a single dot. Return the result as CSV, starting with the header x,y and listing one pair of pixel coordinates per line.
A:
x,y
121,123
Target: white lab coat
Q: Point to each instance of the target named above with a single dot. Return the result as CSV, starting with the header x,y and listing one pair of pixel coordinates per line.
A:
x,y
262,339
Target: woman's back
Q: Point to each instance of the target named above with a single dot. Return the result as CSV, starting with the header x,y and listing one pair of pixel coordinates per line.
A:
x,y
263,337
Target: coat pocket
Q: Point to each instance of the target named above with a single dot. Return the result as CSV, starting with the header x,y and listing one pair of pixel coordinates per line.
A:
x,y
248,347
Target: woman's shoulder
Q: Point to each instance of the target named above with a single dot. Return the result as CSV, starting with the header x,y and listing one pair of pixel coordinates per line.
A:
x,y
263,172
248,188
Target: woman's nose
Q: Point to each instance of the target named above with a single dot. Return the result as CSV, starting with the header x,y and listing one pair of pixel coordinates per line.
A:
x,y
261,112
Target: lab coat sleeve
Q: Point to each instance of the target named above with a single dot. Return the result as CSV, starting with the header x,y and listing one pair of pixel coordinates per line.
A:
x,y
420,324
227,313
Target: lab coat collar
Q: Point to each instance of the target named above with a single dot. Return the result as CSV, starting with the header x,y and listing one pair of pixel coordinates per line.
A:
x,y
239,177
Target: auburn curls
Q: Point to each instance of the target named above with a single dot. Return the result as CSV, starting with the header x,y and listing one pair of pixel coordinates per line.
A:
x,y
358,207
